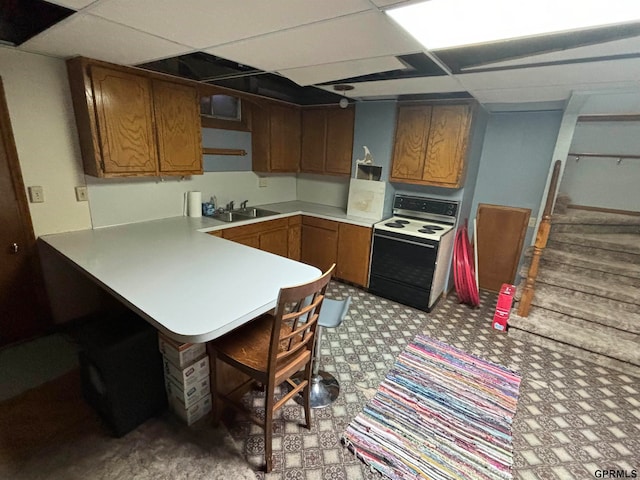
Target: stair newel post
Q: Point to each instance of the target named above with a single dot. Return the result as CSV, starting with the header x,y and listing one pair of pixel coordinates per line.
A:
x,y
541,242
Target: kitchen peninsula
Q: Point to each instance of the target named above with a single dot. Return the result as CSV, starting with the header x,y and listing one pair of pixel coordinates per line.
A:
x,y
191,286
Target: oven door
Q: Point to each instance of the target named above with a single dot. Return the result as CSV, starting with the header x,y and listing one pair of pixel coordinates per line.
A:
x,y
402,268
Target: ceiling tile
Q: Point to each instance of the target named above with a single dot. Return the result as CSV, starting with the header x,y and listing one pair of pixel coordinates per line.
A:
x,y
336,71
618,47
202,23
404,86
552,82
351,37
388,3
75,4
97,38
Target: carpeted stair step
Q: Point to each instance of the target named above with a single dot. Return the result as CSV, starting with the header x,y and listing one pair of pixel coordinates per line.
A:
x,y
600,344
621,247
581,298
606,286
579,314
576,352
587,221
558,259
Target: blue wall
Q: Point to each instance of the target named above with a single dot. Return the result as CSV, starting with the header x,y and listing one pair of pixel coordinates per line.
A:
x,y
215,138
515,161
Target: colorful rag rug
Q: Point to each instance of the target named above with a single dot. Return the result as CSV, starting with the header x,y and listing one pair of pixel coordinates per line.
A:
x,y
440,413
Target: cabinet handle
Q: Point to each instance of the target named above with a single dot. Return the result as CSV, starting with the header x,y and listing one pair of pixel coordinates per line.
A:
x,y
15,248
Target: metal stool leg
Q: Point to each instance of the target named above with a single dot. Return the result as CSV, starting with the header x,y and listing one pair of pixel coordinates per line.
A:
x,y
324,386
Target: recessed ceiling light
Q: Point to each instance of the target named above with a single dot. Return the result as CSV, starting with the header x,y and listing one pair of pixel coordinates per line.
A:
x,y
441,24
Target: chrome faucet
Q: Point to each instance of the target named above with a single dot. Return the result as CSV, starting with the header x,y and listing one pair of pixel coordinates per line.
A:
x,y
243,205
230,206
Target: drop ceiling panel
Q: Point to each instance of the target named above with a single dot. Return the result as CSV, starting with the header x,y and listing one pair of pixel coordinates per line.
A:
x,y
594,73
404,86
335,71
97,38
522,95
75,4
202,23
619,47
351,37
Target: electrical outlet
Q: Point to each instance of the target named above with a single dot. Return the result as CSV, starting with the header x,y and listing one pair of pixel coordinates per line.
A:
x,y
36,194
81,193
262,181
532,222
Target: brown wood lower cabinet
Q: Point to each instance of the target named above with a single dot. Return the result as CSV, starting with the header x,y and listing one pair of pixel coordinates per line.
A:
x,y
271,236
311,240
354,246
295,237
319,242
325,242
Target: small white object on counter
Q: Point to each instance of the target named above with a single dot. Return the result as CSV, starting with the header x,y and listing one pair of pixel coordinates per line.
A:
x,y
194,204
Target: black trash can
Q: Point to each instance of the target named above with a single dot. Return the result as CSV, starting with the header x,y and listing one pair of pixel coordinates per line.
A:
x,y
121,370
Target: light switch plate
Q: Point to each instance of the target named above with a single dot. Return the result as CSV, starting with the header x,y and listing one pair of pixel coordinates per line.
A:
x,y
262,181
532,222
36,194
81,193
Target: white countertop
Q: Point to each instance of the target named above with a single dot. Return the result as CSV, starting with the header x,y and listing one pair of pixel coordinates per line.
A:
x,y
192,286
287,209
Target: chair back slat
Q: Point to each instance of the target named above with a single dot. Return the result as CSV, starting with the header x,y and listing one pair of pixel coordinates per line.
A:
x,y
295,321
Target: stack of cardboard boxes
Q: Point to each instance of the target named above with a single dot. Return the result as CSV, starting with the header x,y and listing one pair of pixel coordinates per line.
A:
x,y
186,373
503,307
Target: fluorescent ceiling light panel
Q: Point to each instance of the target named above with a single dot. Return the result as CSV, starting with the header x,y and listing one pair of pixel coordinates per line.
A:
x,y
441,24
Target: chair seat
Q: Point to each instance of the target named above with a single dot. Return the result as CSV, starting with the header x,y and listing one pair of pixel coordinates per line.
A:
x,y
249,345
333,312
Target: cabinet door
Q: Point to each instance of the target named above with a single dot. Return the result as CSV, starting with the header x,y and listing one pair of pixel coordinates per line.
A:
x,y
124,111
260,133
177,115
284,138
340,122
354,245
319,245
412,130
275,241
251,240
313,140
295,237
447,145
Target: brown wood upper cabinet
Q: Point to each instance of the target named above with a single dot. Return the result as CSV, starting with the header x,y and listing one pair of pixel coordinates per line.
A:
x,y
327,140
131,124
431,144
275,137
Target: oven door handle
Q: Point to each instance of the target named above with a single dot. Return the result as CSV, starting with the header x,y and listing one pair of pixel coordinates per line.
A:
x,y
403,241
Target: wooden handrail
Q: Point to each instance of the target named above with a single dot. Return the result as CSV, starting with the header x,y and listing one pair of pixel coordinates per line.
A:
x,y
541,242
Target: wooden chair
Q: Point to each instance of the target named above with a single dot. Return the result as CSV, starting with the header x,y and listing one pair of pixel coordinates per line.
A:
x,y
270,350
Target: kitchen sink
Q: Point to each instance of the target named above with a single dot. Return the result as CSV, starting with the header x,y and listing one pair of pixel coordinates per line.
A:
x,y
230,217
243,214
255,212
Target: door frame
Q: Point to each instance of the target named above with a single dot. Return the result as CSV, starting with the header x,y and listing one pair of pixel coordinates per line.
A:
x,y
26,223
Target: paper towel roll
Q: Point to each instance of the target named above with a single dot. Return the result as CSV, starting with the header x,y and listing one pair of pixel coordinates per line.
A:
x,y
194,204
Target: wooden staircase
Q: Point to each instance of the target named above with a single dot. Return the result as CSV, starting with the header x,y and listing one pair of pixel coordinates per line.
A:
x,y
587,292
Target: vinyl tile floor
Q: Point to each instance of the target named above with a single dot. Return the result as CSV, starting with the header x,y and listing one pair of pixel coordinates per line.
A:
x,y
574,420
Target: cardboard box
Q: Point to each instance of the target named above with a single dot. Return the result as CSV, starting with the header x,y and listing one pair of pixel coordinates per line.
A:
x,y
193,413
187,376
180,354
191,395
